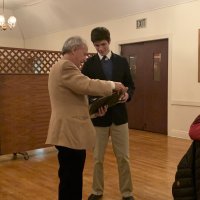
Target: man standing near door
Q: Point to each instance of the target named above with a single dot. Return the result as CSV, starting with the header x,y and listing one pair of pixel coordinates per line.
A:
x,y
106,65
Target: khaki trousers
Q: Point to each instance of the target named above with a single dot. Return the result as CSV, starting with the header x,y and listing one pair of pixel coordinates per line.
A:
x,y
120,142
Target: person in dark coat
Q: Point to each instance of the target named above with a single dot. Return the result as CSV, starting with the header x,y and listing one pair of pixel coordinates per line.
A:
x,y
106,65
187,178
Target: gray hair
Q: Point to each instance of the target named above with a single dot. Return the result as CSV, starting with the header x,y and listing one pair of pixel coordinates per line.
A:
x,y
73,43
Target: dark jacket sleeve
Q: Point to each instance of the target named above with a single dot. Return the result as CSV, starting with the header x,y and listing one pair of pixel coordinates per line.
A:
x,y
128,81
184,186
197,168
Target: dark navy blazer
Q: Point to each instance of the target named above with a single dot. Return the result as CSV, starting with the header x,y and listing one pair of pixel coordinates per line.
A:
x,y
121,73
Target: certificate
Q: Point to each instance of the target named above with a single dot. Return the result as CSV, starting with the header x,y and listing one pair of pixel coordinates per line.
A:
x,y
103,101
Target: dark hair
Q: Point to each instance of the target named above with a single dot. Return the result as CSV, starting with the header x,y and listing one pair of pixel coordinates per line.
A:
x,y
72,43
100,33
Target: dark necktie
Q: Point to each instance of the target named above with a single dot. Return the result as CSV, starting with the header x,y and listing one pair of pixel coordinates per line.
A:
x,y
104,58
107,67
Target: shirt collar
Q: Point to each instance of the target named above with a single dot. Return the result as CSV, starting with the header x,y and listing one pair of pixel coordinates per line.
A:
x,y
108,55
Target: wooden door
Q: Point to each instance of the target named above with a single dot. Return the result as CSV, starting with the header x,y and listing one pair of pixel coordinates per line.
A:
x,y
149,67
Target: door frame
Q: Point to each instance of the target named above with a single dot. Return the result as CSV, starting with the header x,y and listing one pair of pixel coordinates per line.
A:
x,y
152,38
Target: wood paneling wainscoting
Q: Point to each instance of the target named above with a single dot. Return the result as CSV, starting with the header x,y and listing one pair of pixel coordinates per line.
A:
x,y
24,112
24,99
153,159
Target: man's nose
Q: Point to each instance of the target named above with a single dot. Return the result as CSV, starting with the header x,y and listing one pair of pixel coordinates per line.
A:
x,y
85,59
100,48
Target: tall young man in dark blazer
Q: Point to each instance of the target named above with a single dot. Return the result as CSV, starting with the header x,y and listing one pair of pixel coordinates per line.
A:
x,y
106,65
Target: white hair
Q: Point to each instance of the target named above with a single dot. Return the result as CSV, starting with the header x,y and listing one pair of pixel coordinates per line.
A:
x,y
73,43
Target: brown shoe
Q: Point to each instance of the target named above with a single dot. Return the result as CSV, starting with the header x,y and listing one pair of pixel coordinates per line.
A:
x,y
95,197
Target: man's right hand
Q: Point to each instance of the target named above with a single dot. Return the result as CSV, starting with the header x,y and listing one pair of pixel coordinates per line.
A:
x,y
119,87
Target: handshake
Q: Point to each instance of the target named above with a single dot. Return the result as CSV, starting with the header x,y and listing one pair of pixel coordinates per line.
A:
x,y
119,87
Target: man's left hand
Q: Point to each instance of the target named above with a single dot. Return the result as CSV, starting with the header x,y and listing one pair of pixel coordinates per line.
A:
x,y
124,97
102,111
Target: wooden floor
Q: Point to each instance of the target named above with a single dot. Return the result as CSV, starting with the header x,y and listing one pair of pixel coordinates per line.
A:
x,y
154,158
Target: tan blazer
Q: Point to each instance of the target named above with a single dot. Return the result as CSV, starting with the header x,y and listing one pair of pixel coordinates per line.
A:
x,y
70,123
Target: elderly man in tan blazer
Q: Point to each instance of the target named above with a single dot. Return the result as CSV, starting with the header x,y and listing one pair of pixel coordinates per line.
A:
x,y
70,128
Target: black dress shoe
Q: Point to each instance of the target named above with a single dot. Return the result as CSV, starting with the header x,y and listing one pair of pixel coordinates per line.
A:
x,y
95,197
128,198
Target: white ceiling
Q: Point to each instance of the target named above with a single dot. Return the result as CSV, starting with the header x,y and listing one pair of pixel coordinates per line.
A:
x,y
39,17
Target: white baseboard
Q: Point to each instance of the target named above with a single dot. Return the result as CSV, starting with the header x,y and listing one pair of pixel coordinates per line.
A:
x,y
179,134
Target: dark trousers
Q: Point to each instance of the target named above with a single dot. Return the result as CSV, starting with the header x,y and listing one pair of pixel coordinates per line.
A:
x,y
70,172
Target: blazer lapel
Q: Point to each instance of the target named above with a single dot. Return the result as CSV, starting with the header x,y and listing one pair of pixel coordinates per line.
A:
x,y
115,64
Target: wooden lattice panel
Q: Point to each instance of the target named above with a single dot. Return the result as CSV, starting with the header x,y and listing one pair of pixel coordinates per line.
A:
x,y
26,61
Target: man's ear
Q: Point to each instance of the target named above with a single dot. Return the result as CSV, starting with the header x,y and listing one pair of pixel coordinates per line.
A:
x,y
73,50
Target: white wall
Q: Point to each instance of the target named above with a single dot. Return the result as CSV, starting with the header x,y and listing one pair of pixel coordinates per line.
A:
x,y
180,25
11,42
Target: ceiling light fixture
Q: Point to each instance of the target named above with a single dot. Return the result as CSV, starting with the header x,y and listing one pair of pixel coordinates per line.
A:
x,y
9,24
